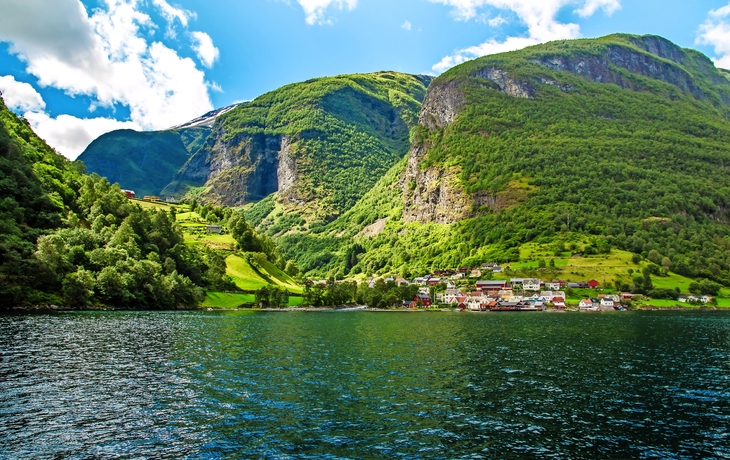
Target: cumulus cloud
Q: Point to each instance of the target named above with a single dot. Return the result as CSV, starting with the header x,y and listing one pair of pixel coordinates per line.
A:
x,y
539,16
70,135
108,57
314,10
407,25
19,96
204,48
716,32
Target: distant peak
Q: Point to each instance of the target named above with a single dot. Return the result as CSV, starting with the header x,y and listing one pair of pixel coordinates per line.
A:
x,y
208,119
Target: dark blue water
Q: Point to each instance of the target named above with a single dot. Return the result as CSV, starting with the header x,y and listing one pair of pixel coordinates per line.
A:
x,y
365,385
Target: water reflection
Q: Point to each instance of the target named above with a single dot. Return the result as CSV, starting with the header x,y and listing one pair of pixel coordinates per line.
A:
x,y
209,384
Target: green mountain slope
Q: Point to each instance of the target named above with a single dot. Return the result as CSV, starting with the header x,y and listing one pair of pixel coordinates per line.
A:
x,y
37,186
620,141
320,145
142,161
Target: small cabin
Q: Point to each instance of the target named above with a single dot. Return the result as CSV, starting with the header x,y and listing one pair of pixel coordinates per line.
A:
x,y
217,229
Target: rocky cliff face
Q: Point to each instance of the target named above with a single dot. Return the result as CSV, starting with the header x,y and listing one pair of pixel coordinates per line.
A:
x,y
239,170
436,194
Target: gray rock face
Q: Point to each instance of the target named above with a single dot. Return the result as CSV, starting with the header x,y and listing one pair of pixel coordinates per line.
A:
x,y
432,195
239,170
602,68
507,84
441,106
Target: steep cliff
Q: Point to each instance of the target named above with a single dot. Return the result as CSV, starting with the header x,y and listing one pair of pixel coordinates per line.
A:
x,y
457,168
320,144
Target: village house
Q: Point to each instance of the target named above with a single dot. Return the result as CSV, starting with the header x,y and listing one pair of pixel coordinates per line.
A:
x,y
450,285
495,285
588,305
433,281
424,300
531,284
593,284
401,281
549,295
172,200
553,286
558,302
217,229
580,285
497,269
424,291
129,193
152,199
607,302
476,273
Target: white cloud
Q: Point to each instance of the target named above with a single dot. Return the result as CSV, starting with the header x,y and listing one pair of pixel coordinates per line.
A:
x,y
106,56
204,48
538,15
407,25
71,135
19,96
314,9
171,13
716,32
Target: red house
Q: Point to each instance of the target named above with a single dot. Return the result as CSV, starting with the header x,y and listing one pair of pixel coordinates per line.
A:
x,y
593,284
425,300
129,193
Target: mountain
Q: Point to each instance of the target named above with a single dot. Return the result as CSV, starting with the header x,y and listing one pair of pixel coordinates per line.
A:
x,y
144,161
316,146
319,145
618,142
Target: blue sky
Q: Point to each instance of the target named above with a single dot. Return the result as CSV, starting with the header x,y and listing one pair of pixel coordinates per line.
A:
x,y
79,68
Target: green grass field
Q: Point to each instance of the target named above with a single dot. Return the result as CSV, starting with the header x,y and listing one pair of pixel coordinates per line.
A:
x,y
226,300
247,278
231,301
604,268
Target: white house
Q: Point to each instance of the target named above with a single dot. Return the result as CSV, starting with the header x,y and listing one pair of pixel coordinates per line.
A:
x,y
585,304
531,284
607,302
553,286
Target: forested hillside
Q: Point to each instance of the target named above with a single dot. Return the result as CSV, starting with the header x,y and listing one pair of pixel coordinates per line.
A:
x,y
76,240
623,140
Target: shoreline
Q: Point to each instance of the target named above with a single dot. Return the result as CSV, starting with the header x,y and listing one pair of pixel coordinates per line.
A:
x,y
60,309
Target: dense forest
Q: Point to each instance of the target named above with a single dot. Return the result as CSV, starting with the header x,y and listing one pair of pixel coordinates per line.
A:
x,y
72,239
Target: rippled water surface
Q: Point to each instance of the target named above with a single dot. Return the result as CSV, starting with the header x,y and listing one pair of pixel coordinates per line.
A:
x,y
365,385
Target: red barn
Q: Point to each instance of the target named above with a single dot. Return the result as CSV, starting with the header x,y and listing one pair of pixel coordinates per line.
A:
x,y
593,284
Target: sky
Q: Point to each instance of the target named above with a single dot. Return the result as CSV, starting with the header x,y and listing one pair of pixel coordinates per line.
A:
x,y
76,69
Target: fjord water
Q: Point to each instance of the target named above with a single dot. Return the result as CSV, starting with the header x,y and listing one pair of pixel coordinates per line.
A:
x,y
364,385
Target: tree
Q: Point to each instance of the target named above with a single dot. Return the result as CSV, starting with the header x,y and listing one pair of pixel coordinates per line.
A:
x,y
78,288
291,269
